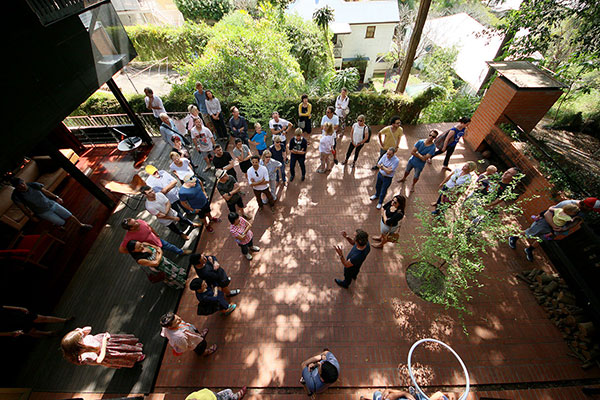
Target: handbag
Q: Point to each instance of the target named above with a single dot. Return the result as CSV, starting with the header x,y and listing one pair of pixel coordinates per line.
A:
x,y
301,124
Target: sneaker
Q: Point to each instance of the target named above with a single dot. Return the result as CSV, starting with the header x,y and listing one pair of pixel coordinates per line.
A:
x,y
529,254
379,206
292,178
255,248
340,283
231,308
512,242
249,256
234,292
373,197
303,178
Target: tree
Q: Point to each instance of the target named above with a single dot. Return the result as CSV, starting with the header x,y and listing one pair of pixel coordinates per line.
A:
x,y
322,17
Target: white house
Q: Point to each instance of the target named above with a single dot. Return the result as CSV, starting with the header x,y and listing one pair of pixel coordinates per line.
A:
x,y
361,29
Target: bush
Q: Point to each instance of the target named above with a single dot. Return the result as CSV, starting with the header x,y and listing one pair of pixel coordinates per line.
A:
x,y
207,10
449,108
347,78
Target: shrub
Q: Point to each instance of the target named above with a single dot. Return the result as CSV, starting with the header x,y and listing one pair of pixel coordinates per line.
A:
x,y
207,10
347,78
449,108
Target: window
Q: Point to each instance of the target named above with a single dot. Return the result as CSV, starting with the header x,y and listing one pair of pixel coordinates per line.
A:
x,y
370,32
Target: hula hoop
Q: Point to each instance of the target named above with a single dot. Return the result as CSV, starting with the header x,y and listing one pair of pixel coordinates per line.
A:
x,y
462,364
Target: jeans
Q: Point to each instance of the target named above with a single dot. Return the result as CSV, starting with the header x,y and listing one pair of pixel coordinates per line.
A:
x,y
220,127
281,171
267,193
171,247
352,147
57,214
382,185
300,159
381,153
173,227
449,151
246,247
226,394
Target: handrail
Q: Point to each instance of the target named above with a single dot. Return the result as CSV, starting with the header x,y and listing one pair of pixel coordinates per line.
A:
x,y
147,68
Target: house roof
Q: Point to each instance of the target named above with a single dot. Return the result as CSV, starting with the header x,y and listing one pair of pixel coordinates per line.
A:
x,y
357,12
525,75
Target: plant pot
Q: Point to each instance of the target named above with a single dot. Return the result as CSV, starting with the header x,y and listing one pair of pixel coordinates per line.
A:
x,y
426,281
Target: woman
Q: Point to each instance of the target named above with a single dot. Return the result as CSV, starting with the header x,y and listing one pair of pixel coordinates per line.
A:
x,y
391,215
341,109
151,257
326,148
182,151
304,114
259,139
240,230
180,166
361,134
279,153
242,154
210,298
451,139
213,106
272,166
193,115
454,185
112,351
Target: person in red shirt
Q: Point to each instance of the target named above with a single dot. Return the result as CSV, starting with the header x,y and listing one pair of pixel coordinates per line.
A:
x,y
140,231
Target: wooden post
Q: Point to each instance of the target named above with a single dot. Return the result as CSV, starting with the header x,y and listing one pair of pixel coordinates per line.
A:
x,y
141,131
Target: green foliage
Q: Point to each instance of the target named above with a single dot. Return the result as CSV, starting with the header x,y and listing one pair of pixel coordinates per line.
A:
x,y
207,10
449,107
323,16
476,9
347,78
437,66
180,44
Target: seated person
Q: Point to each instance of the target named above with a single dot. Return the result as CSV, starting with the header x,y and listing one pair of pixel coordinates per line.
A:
x,y
319,372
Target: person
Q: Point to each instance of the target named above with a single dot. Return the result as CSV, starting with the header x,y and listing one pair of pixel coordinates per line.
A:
x,y
180,149
483,181
230,189
304,115
227,394
168,129
20,321
485,186
326,145
422,151
224,161
454,185
158,205
208,269
213,107
194,199
331,118
37,202
391,215
361,134
190,119
355,258
154,104
298,147
240,230
452,137
165,183
319,372
387,167
121,350
279,153
152,257
140,231
200,97
272,167
391,394
183,336
389,137
210,298
242,154
259,139
280,127
181,167
258,179
238,125
342,109
204,141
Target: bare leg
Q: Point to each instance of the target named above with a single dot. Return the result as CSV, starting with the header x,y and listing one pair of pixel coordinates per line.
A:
x,y
404,177
226,290
412,188
44,319
38,334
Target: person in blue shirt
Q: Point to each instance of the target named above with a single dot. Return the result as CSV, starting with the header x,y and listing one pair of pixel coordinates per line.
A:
x,y
355,258
319,372
193,198
238,125
387,165
452,139
200,96
423,150
259,139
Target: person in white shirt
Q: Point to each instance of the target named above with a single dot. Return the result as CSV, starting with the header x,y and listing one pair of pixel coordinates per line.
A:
x,y
180,166
183,336
164,182
360,135
454,185
258,178
326,148
204,141
341,108
154,104
213,107
279,126
334,120
272,166
158,205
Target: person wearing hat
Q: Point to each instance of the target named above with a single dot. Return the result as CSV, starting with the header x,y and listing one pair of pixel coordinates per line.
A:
x,y
167,184
210,298
193,198
184,337
229,188
209,269
37,202
227,394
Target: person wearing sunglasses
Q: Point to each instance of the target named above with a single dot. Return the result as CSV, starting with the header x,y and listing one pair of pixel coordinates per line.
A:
x,y
422,152
258,178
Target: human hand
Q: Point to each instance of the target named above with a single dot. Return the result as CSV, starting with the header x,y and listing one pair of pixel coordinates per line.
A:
x,y
338,250
59,200
344,234
177,219
18,333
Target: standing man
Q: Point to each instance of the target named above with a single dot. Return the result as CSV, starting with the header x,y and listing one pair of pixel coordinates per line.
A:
x,y
224,161
355,258
200,97
183,336
258,178
298,147
387,167
389,137
194,199
168,129
139,231
154,104
158,205
37,202
229,188
421,152
204,141
335,121
238,125
280,126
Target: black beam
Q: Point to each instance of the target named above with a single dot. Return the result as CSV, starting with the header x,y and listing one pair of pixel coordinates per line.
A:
x,y
129,111
79,176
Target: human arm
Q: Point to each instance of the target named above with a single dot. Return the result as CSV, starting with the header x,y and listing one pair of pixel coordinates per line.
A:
x,y
449,139
186,205
300,113
348,238
314,359
231,126
22,309
548,215
26,210
390,394
380,137
340,253
51,195
445,180
103,348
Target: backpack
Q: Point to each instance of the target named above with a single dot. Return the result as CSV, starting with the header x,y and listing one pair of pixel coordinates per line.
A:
x,y
439,141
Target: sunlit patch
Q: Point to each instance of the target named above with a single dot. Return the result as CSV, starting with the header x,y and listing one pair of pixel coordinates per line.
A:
x,y
287,328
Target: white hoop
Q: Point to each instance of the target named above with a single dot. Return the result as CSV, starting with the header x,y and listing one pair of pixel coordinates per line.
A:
x,y
462,364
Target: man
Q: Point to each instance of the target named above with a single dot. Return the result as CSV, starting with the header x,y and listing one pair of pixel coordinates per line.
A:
x,y
193,198
319,372
238,125
258,178
335,121
37,202
279,126
140,231
224,161
389,137
168,129
298,147
355,258
183,336
387,167
209,269
498,193
154,104
230,189
421,152
210,298
200,97
164,182
204,141
158,205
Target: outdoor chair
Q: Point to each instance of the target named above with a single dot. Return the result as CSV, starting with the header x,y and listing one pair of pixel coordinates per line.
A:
x,y
30,249
130,190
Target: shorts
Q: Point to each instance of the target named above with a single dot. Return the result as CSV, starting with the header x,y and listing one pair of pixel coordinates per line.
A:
x,y
239,203
207,154
386,229
417,169
538,229
204,210
245,166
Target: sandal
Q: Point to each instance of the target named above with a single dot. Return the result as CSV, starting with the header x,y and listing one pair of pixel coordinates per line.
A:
x,y
210,350
204,332
142,358
242,393
215,219
209,229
